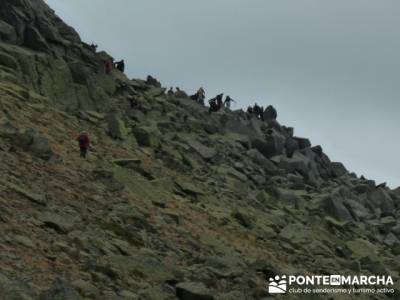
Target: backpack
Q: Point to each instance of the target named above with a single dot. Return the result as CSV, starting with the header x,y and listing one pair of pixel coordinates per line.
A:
x,y
82,140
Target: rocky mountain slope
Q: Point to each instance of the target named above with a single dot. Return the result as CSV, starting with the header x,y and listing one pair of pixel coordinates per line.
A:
x,y
172,202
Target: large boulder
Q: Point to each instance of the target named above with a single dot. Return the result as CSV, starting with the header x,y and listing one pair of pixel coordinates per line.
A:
x,y
34,39
204,151
361,249
288,197
270,113
80,72
60,290
338,169
41,148
146,136
21,189
357,209
296,234
390,240
21,14
8,61
243,218
387,223
155,92
262,161
299,163
273,144
146,264
7,130
396,230
7,32
239,124
291,145
116,127
62,224
381,199
335,207
302,142
344,205
32,141
193,291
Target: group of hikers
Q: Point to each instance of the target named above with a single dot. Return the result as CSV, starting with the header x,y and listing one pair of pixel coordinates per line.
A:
x,y
199,97
109,64
256,110
261,113
215,104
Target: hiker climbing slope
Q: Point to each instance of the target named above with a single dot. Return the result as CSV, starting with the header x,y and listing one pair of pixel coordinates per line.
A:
x,y
83,142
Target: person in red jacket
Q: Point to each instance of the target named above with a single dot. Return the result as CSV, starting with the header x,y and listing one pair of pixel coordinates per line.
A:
x,y
84,143
108,64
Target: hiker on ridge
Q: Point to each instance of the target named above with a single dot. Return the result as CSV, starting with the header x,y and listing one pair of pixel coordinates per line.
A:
x,y
199,96
261,117
120,65
216,103
93,47
228,101
170,91
213,105
257,111
220,102
84,143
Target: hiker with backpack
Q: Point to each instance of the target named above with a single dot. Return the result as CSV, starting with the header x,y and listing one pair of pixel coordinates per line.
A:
x,y
120,65
199,96
228,101
83,142
215,103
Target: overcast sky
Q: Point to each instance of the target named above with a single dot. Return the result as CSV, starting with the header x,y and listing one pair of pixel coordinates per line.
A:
x,y
331,68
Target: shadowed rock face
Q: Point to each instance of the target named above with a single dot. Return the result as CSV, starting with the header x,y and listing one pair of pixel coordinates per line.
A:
x,y
35,24
50,57
172,202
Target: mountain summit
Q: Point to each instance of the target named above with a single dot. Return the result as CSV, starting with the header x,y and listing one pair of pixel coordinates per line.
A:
x,y
172,202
